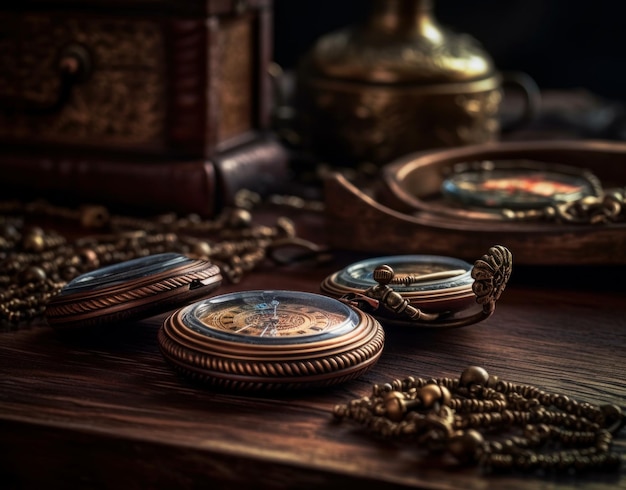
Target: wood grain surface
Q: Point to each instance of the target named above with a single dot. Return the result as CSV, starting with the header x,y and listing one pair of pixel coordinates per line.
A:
x,y
104,410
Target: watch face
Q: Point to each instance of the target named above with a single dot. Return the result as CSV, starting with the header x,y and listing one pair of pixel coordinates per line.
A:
x,y
429,282
271,317
422,273
516,188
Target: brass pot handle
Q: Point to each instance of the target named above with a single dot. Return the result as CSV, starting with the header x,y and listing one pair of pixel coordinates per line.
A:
x,y
531,99
74,67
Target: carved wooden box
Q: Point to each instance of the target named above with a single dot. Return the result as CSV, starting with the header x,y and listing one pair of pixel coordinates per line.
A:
x,y
159,103
186,77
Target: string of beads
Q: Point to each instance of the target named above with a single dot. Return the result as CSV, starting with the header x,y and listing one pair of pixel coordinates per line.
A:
x,y
498,425
35,263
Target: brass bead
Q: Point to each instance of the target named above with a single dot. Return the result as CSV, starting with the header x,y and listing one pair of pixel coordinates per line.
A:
x,y
201,249
433,394
33,240
88,258
492,382
446,396
94,217
340,411
30,275
395,406
474,375
465,445
239,218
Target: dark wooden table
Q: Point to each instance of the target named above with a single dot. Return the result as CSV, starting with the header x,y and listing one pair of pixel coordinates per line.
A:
x,y
107,412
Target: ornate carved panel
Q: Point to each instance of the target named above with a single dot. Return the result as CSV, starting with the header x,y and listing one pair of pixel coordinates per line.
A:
x,y
121,101
236,78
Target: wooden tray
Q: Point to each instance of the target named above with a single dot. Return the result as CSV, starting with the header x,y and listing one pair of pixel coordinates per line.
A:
x,y
388,219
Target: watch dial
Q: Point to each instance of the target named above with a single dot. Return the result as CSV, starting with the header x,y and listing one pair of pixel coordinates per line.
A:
x,y
271,317
432,272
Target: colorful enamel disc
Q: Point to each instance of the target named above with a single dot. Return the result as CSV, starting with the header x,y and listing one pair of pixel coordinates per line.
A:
x,y
518,186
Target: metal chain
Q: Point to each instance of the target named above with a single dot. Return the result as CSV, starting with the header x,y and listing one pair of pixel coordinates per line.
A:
x,y
608,207
36,263
500,426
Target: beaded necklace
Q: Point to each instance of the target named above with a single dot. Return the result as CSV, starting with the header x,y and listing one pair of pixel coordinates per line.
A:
x,y
498,425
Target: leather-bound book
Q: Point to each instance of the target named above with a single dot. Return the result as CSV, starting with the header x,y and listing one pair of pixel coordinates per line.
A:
x,y
201,186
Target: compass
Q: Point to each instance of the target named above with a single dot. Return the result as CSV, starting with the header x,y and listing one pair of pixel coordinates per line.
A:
x,y
269,340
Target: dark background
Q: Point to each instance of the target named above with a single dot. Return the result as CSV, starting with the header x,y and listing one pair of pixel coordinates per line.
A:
x,y
561,44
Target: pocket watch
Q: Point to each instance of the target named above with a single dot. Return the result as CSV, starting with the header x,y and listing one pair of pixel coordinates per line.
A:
x,y
433,282
424,290
271,340
130,290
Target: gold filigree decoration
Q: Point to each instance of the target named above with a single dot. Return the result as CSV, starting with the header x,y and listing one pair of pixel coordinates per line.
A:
x,y
491,274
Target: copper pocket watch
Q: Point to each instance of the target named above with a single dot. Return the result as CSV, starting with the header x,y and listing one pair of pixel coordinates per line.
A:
x,y
270,340
426,291
250,340
131,290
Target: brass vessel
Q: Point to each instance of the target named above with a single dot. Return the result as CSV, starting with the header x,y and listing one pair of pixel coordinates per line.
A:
x,y
394,84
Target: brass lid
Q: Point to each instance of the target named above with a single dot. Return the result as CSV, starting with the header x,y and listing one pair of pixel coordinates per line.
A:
x,y
399,42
